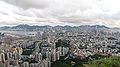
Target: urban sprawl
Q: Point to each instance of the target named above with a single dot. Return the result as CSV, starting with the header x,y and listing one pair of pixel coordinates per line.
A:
x,y
40,46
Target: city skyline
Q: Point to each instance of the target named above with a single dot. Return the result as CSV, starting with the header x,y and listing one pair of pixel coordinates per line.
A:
x,y
60,12
59,33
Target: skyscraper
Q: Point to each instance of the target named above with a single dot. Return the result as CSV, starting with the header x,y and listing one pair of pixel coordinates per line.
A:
x,y
26,64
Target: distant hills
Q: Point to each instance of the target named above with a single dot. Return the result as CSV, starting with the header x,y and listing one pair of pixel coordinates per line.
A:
x,y
28,27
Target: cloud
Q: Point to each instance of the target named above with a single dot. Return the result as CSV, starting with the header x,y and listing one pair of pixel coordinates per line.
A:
x,y
29,3
61,12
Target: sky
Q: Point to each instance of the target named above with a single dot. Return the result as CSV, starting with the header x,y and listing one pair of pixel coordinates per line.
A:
x,y
60,12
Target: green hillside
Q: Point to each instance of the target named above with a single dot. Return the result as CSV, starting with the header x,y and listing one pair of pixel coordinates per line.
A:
x,y
97,61
106,62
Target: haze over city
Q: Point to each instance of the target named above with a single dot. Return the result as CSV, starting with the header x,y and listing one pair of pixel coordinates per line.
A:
x,y
59,33
60,12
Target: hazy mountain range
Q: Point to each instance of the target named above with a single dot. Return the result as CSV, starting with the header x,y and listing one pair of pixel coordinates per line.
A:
x,y
26,27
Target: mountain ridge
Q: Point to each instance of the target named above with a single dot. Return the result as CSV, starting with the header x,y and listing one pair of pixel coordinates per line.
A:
x,y
67,27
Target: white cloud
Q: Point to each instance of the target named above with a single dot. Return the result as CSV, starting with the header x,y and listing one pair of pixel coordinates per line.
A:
x,y
71,12
29,3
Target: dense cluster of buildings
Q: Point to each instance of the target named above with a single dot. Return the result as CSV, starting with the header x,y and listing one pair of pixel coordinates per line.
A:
x,y
50,44
29,53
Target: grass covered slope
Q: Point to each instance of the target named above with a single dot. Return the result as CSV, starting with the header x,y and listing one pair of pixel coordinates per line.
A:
x,y
106,62
93,61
